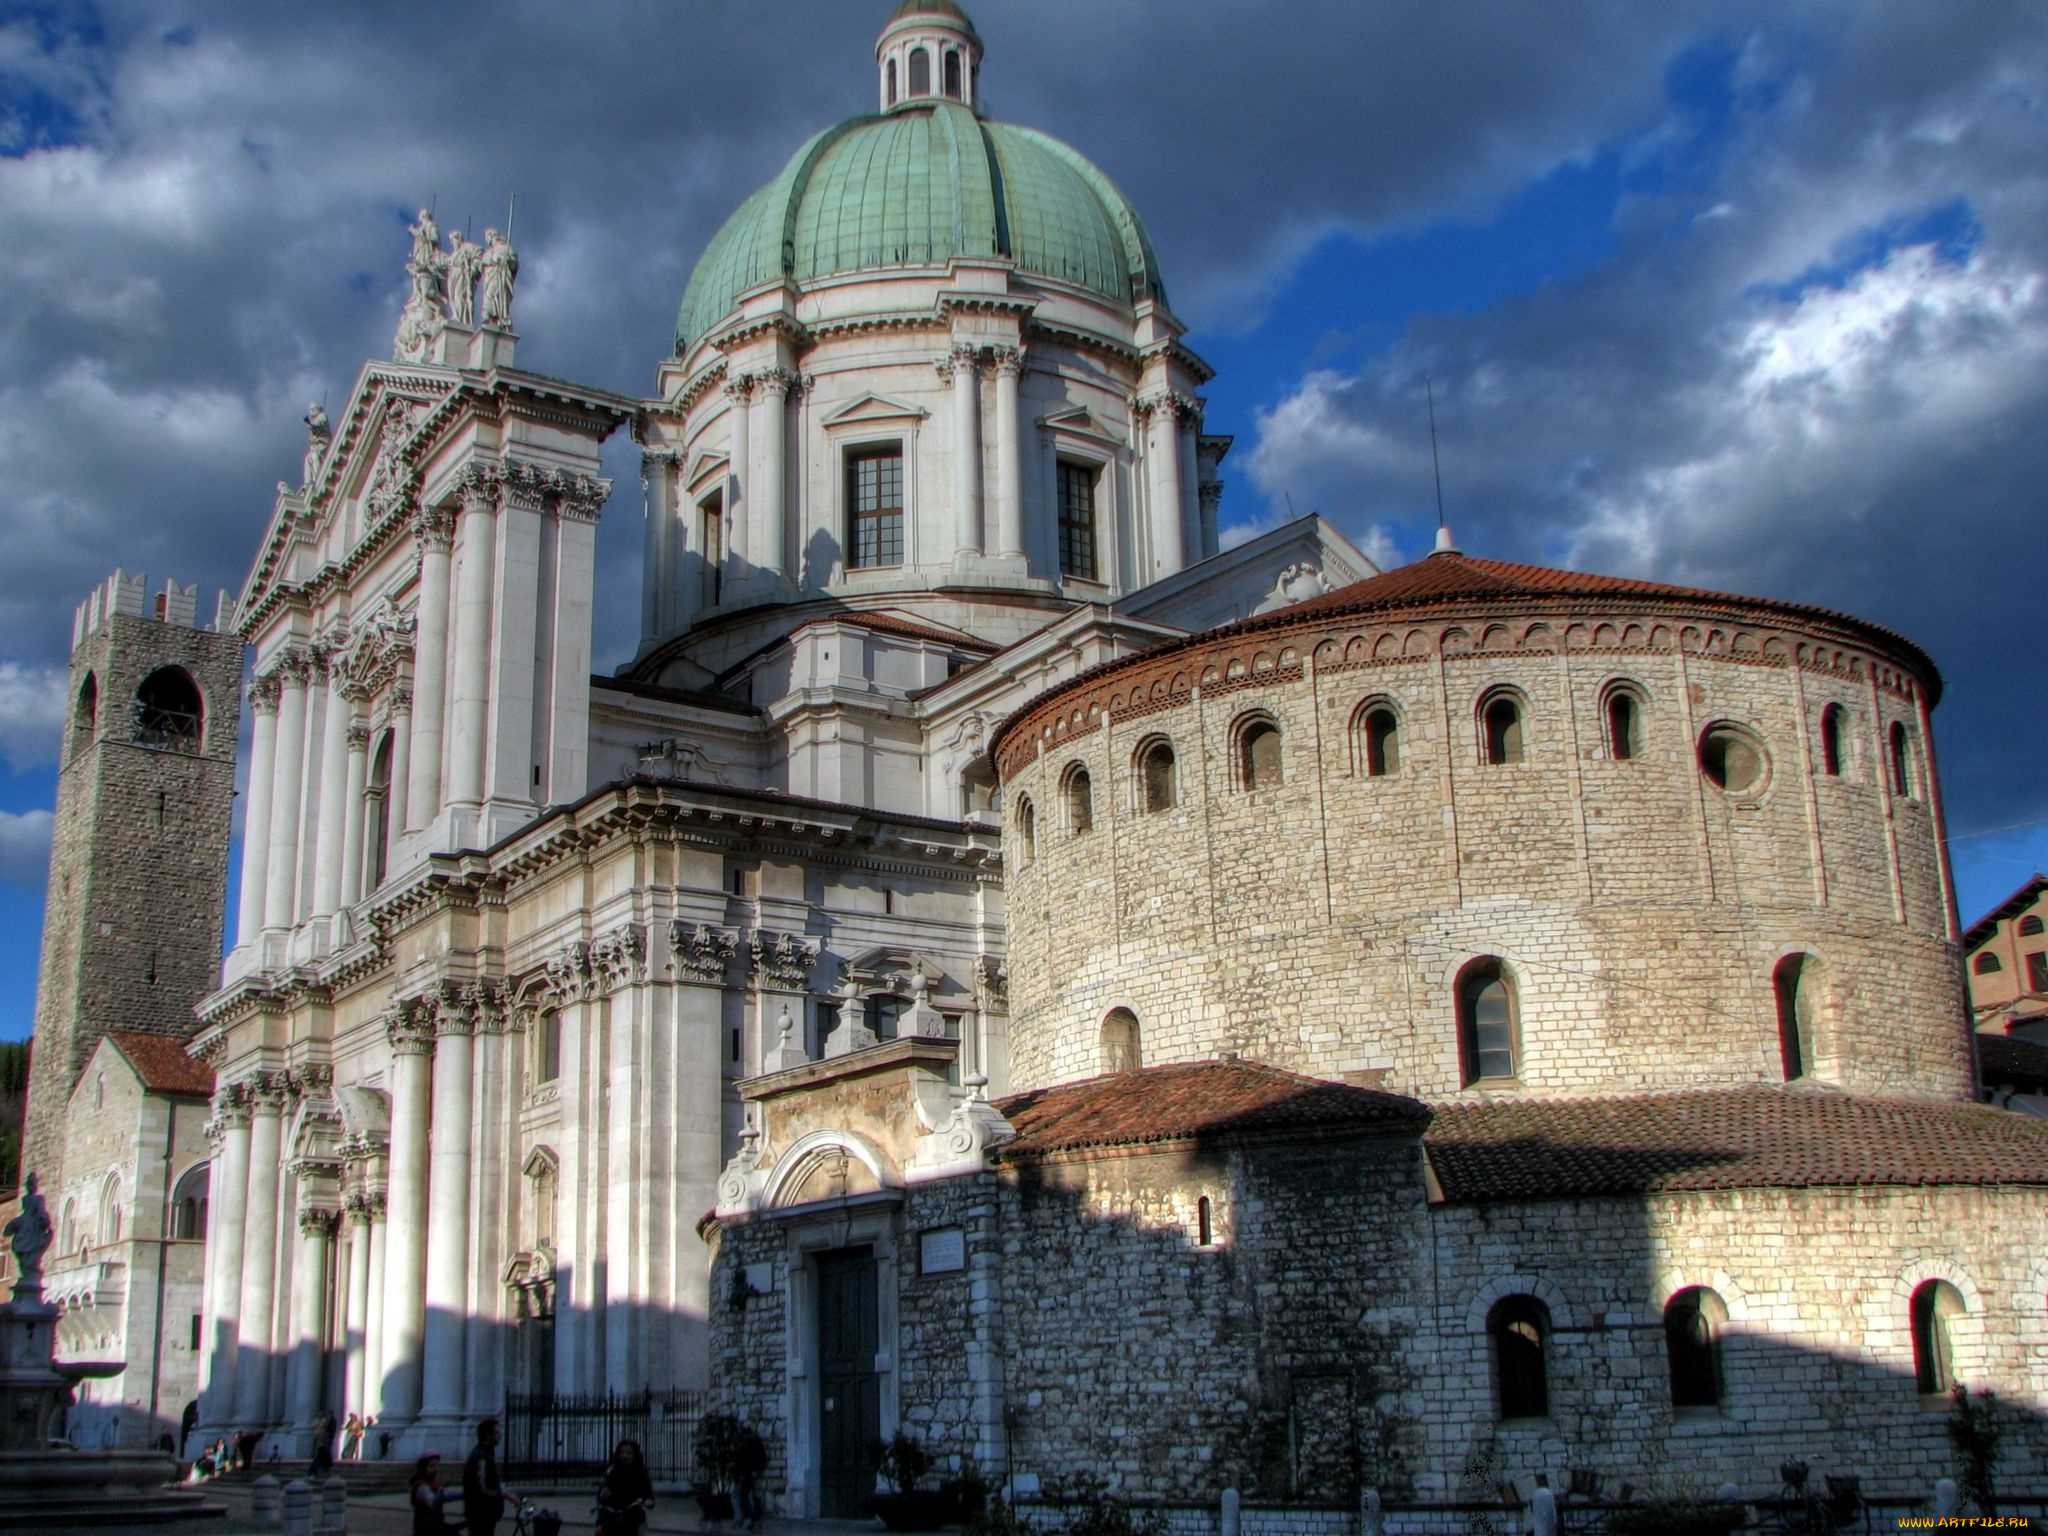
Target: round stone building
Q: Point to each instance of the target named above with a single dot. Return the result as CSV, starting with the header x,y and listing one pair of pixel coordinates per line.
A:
x,y
1475,828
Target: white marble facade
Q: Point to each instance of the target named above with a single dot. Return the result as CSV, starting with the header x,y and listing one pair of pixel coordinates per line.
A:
x,y
508,936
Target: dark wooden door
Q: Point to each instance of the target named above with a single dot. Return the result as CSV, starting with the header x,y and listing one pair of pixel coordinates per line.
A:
x,y
849,1391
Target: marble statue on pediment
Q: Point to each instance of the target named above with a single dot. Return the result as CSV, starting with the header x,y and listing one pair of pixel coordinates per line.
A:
x,y
462,266
426,242
319,435
501,271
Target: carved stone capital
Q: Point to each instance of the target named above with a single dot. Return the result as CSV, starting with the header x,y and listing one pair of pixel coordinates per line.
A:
x,y
267,1092
775,383
264,689
359,736
739,389
1009,361
313,1079
409,1027
568,975
434,528
318,1220
701,952
355,1203
782,961
400,701
524,487
992,983
231,1111
619,958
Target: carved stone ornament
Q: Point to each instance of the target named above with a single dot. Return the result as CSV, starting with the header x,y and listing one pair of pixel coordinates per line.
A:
x,y
382,642
230,1110
390,476
433,528
701,952
782,961
318,1220
568,974
264,689
740,1184
355,1203
992,983
313,1079
409,1026
619,958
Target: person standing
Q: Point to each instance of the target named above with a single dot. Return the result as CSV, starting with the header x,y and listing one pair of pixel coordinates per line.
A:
x,y
483,1496
626,1494
352,1438
323,1445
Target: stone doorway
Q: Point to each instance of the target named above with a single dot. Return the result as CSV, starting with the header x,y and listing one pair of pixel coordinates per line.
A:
x,y
849,1387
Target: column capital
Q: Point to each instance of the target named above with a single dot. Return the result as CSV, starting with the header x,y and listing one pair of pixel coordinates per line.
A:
x,y
478,488
355,1204
775,383
433,528
409,1027
960,358
231,1110
292,665
619,958
267,1092
700,952
318,1220
399,701
1009,361
739,389
264,690
312,1078
358,735
782,961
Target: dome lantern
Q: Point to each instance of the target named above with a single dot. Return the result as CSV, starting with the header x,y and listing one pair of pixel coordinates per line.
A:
x,y
929,51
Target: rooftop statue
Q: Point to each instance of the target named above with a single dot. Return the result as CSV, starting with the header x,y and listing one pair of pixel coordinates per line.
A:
x,y
464,261
422,317
318,436
501,270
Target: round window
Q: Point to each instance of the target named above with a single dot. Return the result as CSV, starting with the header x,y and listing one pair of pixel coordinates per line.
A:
x,y
1733,758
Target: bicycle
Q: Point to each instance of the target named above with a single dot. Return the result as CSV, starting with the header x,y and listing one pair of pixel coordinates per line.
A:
x,y
532,1520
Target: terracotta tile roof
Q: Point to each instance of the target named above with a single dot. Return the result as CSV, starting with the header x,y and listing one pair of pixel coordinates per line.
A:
x,y
889,624
2007,1061
1197,1101
2012,906
160,1061
1740,1138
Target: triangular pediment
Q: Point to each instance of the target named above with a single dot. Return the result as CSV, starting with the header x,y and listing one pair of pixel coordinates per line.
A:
x,y
1077,422
873,408
706,467
892,961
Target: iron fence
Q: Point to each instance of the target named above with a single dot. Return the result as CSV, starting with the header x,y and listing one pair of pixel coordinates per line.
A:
x,y
561,1435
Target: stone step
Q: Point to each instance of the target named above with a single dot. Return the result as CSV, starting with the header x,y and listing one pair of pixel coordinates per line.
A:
x,y
142,1510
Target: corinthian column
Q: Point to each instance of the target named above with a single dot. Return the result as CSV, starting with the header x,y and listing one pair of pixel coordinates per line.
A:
x,y
281,879
263,695
739,393
470,687
1163,456
309,1314
1009,473
229,1131
352,811
771,514
356,1207
960,365
373,1310
411,1034
448,1228
434,531
255,1351
334,798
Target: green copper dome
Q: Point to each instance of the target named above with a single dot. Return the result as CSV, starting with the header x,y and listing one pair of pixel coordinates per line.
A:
x,y
917,187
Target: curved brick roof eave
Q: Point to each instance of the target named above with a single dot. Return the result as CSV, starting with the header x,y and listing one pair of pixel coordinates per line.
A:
x,y
1445,585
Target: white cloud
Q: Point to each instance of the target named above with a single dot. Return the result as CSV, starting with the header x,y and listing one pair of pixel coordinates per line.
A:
x,y
25,848
33,704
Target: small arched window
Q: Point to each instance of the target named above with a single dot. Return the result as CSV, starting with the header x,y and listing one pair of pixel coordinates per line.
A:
x,y
1205,1223
188,1204
1832,720
1486,1023
1902,760
85,716
378,817
1987,964
953,73
169,714
1792,984
1121,1042
1377,742
1501,722
1624,726
889,75
920,72
1258,754
1936,1304
1080,797
67,1228
1027,829
1519,1327
1693,1323
2029,926
1157,789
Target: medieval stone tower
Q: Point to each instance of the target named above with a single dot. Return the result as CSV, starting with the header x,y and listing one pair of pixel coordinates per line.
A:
x,y
139,858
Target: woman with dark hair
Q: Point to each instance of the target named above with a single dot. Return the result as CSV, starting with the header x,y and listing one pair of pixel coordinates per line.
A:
x,y
626,1494
429,1502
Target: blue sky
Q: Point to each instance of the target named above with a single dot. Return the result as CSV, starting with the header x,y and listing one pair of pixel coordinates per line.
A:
x,y
1740,295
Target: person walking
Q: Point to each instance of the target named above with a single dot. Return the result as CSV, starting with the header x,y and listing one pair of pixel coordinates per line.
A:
x,y
352,1438
483,1496
428,1500
626,1494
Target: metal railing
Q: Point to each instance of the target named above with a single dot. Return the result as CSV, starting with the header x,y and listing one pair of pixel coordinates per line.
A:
x,y
563,1435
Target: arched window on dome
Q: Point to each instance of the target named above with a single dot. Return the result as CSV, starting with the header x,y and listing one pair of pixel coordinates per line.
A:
x,y
889,85
1027,829
1832,720
169,714
1936,1305
1500,721
1987,964
1902,761
920,72
1624,724
1121,1042
1519,1328
1694,1320
952,73
1079,792
1793,987
1158,788
1486,1023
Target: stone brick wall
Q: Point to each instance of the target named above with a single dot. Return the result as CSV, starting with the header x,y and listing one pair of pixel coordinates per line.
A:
x,y
1639,910
138,862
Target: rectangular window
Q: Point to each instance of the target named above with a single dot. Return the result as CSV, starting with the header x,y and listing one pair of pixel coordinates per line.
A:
x,y
1077,520
2037,972
550,1066
883,1011
874,500
711,523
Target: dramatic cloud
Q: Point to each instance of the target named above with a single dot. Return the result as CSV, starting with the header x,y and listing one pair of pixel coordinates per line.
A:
x,y
32,709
